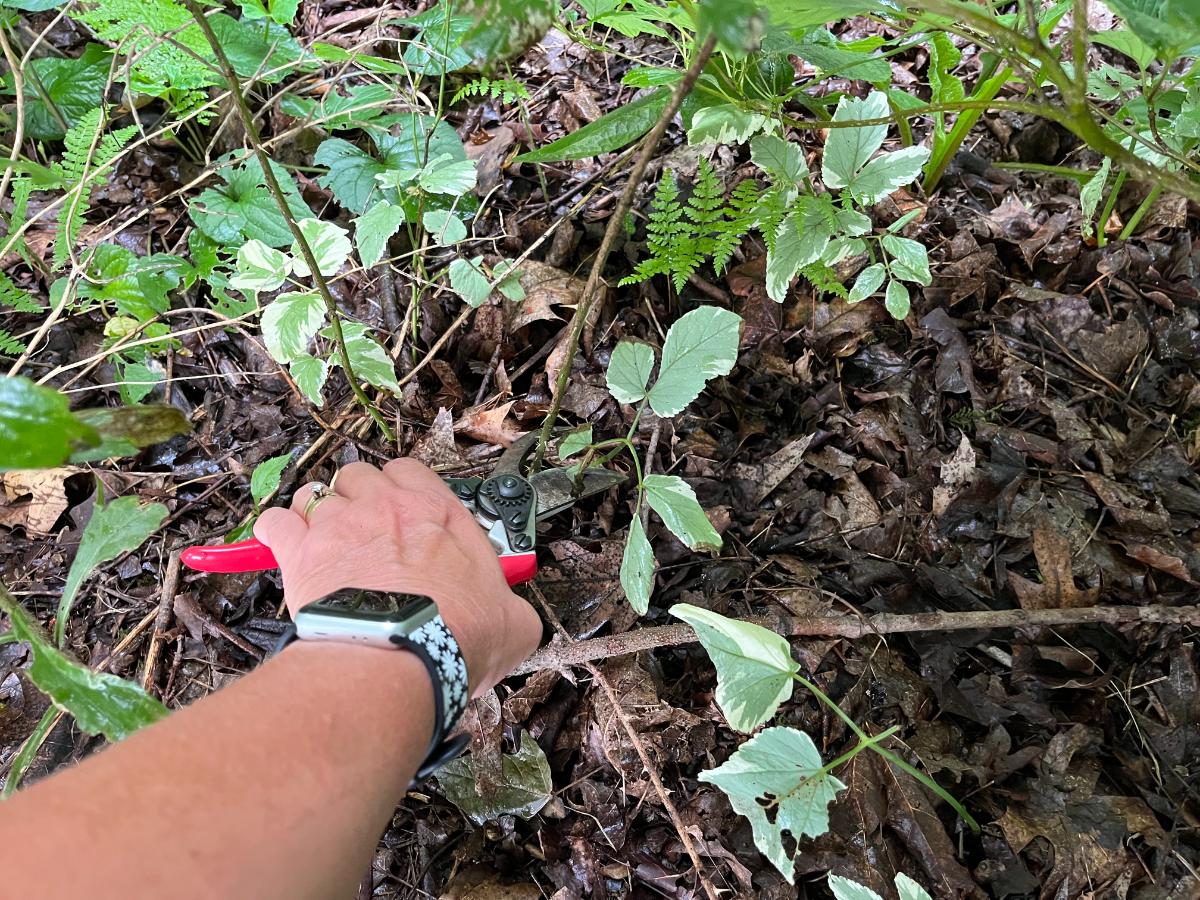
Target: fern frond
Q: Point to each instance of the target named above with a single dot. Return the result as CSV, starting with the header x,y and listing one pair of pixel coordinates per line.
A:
x,y
506,90
770,213
88,155
10,345
822,277
740,216
12,297
706,208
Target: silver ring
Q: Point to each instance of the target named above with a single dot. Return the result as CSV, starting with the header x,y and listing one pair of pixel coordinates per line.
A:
x,y
319,492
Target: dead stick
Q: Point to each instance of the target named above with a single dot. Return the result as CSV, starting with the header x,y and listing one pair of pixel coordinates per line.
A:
x,y
555,656
162,619
615,223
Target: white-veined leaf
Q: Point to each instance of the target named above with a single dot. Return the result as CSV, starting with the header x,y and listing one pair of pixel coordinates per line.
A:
x,y
910,259
637,568
780,771
886,173
329,243
629,371
754,666
867,282
468,280
374,228
800,241
309,373
701,345
369,360
259,268
897,300
290,322
675,502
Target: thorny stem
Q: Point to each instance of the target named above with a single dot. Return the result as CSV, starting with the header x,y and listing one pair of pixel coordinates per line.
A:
x,y
592,288
310,259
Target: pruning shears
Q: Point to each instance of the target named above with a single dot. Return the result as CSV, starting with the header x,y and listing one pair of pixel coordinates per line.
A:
x,y
506,504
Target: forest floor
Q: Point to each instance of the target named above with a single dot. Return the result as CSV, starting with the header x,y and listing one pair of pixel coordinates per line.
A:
x,y
1014,444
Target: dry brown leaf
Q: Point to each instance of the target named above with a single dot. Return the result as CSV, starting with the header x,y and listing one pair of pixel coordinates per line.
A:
x,y
767,475
545,287
33,499
479,883
957,471
490,425
1158,559
436,448
1057,589
488,149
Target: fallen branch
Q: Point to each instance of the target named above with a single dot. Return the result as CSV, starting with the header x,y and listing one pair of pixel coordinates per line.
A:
x,y
580,653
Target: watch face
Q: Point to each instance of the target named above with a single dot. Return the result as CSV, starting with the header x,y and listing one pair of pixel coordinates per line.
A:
x,y
371,617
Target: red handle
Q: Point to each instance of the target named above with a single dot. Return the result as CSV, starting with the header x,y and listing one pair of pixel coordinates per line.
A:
x,y
253,556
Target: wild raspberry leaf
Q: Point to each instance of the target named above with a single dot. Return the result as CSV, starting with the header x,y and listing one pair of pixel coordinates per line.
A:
x,y
909,889
113,529
782,160
700,346
910,259
754,666
264,480
290,322
369,360
575,441
846,889
867,282
446,175
776,781
675,502
629,371
469,281
309,373
260,268
445,229
101,703
637,568
330,245
374,228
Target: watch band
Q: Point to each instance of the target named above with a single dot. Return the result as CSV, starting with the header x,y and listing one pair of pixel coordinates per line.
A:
x,y
434,644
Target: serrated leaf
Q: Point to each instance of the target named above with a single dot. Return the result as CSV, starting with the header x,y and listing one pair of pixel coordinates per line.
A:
x,y
675,502
264,480
101,703
725,123
114,528
846,889
848,149
629,371
310,373
738,24
445,175
779,772
896,300
884,174
469,281
374,228
779,158
445,228
61,91
910,259
369,360
612,131
290,322
867,282
637,568
574,441
754,666
243,209
800,241
330,245
909,889
521,787
259,268
701,345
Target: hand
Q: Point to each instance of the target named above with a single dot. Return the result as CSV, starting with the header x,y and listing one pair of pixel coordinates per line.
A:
x,y
402,530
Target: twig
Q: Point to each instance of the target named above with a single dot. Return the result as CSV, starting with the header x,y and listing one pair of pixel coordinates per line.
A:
x,y
18,134
615,223
636,741
310,259
581,653
162,619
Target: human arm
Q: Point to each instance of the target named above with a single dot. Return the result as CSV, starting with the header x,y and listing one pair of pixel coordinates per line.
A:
x,y
278,786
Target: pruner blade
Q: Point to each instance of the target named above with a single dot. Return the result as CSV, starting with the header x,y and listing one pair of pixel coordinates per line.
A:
x,y
557,488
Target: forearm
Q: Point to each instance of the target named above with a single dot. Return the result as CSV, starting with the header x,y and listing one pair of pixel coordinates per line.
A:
x,y
277,787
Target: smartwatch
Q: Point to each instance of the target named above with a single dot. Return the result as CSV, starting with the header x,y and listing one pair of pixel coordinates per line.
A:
x,y
396,622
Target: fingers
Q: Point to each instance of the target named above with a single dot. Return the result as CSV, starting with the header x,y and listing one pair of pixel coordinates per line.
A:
x,y
360,479
282,530
414,476
312,510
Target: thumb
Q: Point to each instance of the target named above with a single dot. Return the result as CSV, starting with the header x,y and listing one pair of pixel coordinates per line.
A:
x,y
282,530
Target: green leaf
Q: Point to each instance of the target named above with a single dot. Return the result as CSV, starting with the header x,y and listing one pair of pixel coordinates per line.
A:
x,y
508,280
675,502
1091,194
445,175
113,529
330,245
574,441
738,24
374,228
776,781
1172,27
848,149
290,322
886,173
259,268
867,282
310,373
783,160
701,345
521,787
637,567
445,228
264,480
243,209
754,666
725,123
845,889
368,359
437,48
611,131
629,371
897,301
800,241
468,280
351,175
1124,41
101,703
263,51
910,259
361,105
800,15
37,429
61,91
126,429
